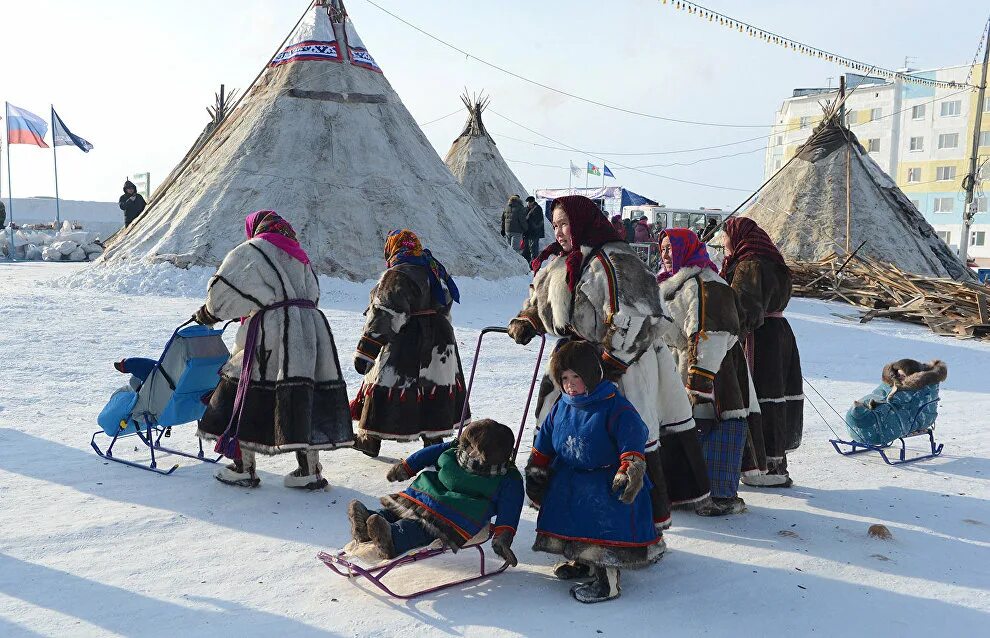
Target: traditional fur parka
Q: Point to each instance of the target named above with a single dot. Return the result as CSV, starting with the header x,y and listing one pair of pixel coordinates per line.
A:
x,y
703,332
764,289
297,398
416,385
616,305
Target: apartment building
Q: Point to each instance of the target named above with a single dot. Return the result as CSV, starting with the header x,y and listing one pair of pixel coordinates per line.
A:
x,y
920,135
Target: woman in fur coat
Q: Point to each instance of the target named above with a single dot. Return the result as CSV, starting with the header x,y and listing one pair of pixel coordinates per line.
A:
x,y
595,288
756,271
413,383
704,335
282,390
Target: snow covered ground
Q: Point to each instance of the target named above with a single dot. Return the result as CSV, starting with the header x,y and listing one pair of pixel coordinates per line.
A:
x,y
91,548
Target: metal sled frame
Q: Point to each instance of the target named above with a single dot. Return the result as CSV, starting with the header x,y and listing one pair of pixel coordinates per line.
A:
x,y
152,434
151,437
339,562
856,447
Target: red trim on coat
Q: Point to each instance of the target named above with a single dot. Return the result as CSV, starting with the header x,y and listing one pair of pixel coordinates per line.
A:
x,y
539,459
457,528
499,528
598,541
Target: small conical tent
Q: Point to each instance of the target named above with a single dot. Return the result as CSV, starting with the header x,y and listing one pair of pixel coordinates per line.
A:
x,y
475,161
323,139
833,184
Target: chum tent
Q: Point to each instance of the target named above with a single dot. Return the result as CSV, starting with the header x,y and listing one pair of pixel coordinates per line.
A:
x,y
323,139
475,161
832,183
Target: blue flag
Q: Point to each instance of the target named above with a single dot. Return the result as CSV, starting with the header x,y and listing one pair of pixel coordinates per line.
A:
x,y
608,173
62,136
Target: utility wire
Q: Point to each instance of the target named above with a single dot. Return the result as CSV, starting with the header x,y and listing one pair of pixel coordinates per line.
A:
x,y
574,96
444,117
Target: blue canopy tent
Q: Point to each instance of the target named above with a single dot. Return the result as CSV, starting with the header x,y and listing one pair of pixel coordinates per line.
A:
x,y
611,198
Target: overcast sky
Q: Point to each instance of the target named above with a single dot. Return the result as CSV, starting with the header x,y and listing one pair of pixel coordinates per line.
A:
x,y
134,78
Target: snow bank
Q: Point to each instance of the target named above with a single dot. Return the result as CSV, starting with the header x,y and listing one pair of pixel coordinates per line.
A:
x,y
67,244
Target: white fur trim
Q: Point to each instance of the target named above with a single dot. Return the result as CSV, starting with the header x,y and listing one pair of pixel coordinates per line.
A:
x,y
735,414
761,480
795,397
692,500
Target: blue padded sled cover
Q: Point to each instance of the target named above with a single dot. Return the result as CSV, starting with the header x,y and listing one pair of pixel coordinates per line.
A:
x,y
906,412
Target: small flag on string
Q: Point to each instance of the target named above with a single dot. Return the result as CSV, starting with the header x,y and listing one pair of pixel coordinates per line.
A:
x,y
62,136
607,172
593,170
575,170
24,127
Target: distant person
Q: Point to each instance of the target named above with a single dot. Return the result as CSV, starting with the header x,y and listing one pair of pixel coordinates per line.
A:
x,y
514,223
620,228
534,228
709,230
641,232
629,227
131,202
3,215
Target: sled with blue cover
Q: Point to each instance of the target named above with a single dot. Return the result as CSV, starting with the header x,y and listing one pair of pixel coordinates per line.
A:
x,y
881,418
163,394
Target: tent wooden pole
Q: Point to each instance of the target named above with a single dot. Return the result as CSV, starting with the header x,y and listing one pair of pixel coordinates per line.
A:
x,y
848,205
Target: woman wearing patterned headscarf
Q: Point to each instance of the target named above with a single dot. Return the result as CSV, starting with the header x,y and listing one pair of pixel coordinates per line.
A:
x,y
704,335
756,271
282,390
596,289
413,383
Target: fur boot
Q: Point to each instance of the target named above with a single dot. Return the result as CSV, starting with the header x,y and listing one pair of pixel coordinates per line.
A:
x,y
308,475
380,533
240,473
368,445
716,506
358,514
571,570
605,586
428,441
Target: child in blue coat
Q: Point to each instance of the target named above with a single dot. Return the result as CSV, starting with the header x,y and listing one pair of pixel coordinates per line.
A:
x,y
586,473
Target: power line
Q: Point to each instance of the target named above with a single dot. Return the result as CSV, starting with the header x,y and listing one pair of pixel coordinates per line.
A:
x,y
581,98
444,117
774,38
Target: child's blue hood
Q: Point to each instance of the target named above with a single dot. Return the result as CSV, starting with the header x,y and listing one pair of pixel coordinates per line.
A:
x,y
604,391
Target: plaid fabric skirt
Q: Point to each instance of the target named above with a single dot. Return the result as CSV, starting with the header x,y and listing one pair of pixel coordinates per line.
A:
x,y
722,447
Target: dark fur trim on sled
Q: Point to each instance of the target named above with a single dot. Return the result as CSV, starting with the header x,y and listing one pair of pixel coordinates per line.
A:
x,y
601,555
404,508
917,374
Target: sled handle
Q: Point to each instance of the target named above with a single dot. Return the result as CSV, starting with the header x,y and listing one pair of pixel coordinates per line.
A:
x,y
532,383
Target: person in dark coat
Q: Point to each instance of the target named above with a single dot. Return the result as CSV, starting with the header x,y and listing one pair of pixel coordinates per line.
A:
x,y
514,223
534,228
131,202
641,231
620,228
757,272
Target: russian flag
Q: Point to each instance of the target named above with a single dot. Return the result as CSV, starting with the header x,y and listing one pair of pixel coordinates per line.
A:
x,y
24,127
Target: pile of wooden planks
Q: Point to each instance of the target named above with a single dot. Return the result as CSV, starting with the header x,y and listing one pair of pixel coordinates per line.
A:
x,y
948,307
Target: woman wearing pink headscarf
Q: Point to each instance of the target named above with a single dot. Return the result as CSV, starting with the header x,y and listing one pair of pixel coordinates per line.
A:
x,y
282,390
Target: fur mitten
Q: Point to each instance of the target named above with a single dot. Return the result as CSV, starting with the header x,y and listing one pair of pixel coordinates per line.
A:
x,y
204,317
629,479
502,545
537,481
521,330
398,472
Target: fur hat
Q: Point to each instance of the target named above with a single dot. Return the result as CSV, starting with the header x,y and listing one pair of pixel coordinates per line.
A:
x,y
488,443
580,356
531,200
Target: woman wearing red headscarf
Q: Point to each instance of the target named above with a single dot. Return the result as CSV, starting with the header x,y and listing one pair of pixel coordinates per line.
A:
x,y
756,271
704,335
282,390
595,288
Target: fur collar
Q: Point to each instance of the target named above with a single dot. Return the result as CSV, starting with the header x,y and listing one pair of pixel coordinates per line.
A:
x,y
670,287
929,373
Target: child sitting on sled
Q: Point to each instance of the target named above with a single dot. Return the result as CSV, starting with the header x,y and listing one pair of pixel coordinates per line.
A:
x,y
906,401
586,474
475,479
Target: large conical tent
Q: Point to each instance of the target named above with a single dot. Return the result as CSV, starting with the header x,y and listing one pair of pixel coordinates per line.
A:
x,y
323,139
833,183
475,161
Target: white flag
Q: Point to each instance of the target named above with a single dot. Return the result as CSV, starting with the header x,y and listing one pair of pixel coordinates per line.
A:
x,y
575,170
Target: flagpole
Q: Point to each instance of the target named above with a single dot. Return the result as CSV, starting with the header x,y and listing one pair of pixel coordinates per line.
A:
x,y
586,173
10,198
570,176
58,214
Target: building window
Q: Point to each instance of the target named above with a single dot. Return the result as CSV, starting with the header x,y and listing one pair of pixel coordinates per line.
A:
x,y
943,173
977,238
951,108
944,235
984,138
948,140
986,105
918,112
917,143
873,145
875,114
914,175
805,121
943,205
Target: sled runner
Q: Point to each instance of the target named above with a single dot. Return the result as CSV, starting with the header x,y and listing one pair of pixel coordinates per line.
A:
x,y
876,429
349,565
171,393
